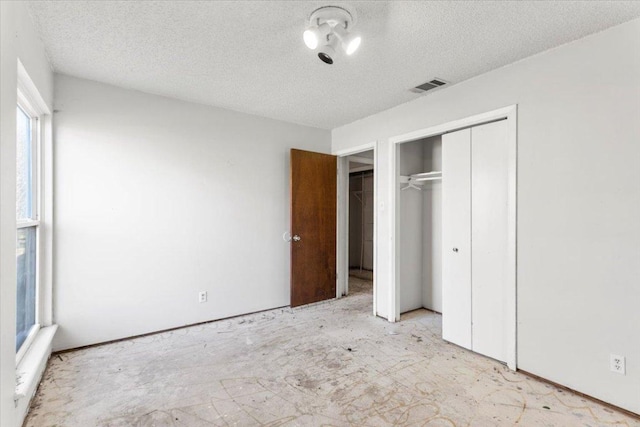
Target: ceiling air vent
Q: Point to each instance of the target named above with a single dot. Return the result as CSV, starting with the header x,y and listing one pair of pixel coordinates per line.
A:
x,y
433,84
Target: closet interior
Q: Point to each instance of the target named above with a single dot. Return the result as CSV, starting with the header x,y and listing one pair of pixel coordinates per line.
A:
x,y
420,224
361,178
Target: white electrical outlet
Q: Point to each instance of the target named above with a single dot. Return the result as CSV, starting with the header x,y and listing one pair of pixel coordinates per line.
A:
x,y
202,296
617,364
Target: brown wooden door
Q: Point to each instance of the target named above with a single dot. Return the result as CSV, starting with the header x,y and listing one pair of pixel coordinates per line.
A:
x,y
313,227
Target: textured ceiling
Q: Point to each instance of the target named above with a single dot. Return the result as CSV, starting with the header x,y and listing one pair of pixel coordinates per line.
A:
x,y
250,57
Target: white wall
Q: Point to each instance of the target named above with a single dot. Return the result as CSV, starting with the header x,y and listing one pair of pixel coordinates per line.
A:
x,y
410,223
158,199
18,40
432,228
578,202
420,228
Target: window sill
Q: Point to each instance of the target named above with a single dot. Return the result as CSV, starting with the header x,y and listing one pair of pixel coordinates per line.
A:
x,y
30,369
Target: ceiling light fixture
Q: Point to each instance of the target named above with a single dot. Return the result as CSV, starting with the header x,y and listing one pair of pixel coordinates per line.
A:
x,y
327,26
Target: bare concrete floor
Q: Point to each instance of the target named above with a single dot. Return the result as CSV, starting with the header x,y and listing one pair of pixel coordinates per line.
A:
x,y
331,364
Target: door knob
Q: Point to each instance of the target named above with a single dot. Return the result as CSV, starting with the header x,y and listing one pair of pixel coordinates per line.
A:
x,y
454,249
296,238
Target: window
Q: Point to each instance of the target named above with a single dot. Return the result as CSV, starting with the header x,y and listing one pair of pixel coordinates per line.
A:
x,y
28,224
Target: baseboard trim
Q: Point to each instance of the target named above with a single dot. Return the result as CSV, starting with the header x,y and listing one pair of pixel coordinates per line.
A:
x,y
98,344
586,396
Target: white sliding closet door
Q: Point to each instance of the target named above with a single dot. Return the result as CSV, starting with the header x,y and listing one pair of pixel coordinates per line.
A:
x,y
489,239
475,238
456,237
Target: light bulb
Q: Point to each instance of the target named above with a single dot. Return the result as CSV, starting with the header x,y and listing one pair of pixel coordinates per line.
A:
x,y
310,38
353,45
314,34
350,42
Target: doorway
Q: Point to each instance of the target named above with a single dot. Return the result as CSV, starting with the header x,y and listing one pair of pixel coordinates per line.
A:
x,y
356,222
423,278
361,222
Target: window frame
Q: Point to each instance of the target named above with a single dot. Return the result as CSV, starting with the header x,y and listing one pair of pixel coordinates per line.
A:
x,y
35,217
33,105
34,121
